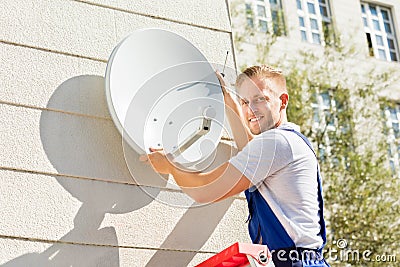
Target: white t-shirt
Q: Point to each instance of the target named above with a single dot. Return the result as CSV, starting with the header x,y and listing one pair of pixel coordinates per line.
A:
x,y
284,169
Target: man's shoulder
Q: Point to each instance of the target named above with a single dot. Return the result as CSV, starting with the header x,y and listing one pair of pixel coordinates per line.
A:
x,y
274,134
282,133
289,126
272,139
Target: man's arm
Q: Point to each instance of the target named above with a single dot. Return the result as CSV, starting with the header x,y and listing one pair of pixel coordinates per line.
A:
x,y
212,186
241,134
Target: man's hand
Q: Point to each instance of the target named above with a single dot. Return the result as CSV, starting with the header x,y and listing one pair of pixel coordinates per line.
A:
x,y
228,98
204,187
158,160
241,133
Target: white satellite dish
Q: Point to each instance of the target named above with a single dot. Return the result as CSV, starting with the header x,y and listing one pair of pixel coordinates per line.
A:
x,y
162,92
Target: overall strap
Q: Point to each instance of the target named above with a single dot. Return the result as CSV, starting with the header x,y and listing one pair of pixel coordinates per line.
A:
x,y
320,199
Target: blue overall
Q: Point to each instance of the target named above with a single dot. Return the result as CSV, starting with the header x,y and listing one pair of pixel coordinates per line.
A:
x,y
265,228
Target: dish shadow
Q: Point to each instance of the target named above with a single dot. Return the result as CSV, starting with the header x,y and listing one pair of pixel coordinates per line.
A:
x,y
84,147
80,146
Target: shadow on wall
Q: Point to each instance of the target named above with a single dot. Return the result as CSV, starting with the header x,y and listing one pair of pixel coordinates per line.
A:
x,y
82,146
190,233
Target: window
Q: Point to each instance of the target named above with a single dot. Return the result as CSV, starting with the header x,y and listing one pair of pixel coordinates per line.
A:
x,y
262,16
249,16
265,16
392,116
379,30
315,22
323,106
324,121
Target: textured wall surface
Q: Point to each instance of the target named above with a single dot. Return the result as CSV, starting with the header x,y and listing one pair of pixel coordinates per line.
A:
x,y
67,197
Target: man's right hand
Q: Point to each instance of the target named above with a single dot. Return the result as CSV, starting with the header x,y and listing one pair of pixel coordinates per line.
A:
x,y
228,98
241,134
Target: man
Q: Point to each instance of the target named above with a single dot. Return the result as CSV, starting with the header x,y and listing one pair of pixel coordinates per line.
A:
x,y
275,166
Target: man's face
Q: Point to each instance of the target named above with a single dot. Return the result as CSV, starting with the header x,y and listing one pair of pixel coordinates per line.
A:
x,y
260,105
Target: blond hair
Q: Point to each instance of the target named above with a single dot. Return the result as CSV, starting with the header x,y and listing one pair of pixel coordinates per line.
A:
x,y
263,72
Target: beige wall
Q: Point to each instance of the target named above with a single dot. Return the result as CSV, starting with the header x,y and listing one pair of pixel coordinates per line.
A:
x,y
66,194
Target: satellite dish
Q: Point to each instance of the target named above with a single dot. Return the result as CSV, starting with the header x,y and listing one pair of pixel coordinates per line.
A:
x,y
162,93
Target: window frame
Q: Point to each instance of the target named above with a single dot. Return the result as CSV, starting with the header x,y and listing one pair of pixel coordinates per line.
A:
x,y
320,109
266,18
307,32
392,140
369,18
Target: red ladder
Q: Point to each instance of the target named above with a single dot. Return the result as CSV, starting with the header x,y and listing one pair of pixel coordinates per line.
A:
x,y
240,255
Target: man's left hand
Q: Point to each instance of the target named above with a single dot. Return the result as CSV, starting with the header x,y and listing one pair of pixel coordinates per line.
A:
x,y
158,160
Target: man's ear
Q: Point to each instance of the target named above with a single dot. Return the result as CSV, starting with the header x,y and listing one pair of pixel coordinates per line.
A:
x,y
285,100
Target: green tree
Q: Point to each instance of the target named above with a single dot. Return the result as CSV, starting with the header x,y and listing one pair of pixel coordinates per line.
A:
x,y
361,194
